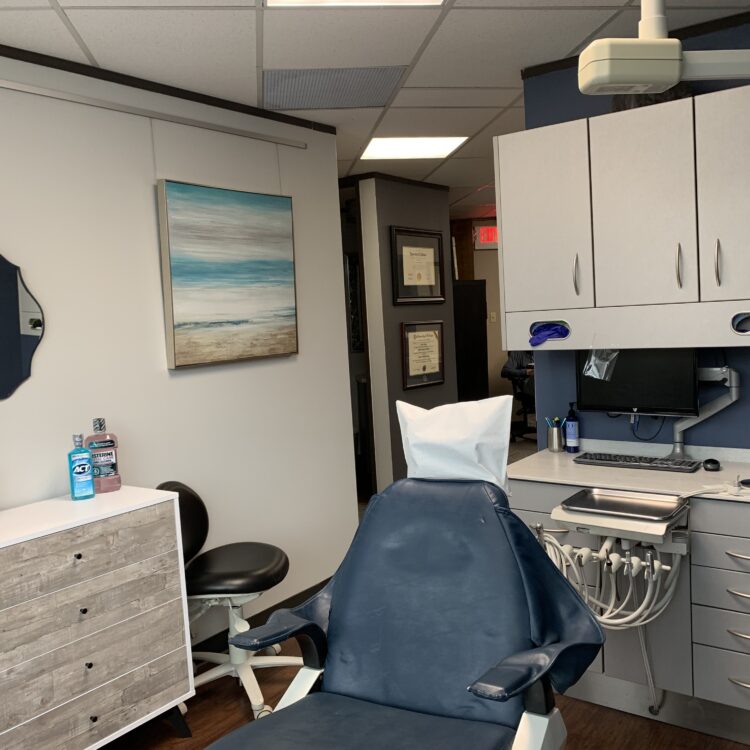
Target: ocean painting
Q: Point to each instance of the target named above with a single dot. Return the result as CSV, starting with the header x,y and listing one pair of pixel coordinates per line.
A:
x,y
228,272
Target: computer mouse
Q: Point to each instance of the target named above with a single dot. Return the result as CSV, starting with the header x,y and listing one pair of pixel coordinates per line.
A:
x,y
711,464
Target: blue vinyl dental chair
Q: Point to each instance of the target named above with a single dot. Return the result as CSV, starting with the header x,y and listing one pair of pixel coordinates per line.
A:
x,y
445,628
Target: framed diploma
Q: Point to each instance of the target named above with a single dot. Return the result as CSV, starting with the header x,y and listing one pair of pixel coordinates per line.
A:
x,y
422,353
417,262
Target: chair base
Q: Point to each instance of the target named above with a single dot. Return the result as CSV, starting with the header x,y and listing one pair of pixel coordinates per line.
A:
x,y
541,732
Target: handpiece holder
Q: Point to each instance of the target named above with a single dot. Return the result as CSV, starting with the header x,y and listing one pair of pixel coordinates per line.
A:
x,y
725,375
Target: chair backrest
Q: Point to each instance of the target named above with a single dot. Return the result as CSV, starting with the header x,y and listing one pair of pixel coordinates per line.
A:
x,y
429,597
193,518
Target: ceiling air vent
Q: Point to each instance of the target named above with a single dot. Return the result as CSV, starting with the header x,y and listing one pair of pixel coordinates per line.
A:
x,y
330,88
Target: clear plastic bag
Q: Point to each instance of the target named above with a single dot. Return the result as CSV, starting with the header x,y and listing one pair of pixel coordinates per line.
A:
x,y
600,364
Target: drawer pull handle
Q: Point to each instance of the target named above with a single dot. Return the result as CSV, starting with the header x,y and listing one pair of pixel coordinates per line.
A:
x,y
738,593
740,683
94,719
90,664
738,634
78,556
737,555
84,610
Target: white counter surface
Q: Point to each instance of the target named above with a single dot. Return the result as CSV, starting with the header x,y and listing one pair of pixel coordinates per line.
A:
x,y
48,516
558,468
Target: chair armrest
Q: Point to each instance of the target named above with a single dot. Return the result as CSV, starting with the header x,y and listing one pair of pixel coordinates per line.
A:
x,y
281,626
518,672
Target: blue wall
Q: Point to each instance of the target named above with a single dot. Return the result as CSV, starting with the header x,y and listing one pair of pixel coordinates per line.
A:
x,y
553,98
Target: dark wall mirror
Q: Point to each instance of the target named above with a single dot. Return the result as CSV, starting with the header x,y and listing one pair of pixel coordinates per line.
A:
x,y
21,328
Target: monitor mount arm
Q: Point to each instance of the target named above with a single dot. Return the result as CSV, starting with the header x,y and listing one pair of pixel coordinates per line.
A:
x,y
726,376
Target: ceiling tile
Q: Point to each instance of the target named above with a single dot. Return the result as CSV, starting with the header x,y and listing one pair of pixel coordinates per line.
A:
x,y
473,212
482,197
21,4
209,51
458,171
344,168
412,169
456,97
353,127
153,3
39,31
541,3
433,122
457,193
325,38
490,47
510,121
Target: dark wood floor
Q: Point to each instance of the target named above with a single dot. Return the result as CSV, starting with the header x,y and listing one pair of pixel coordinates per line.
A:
x,y
222,706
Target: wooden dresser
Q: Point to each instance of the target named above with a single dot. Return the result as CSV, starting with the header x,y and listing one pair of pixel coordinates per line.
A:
x,y
94,637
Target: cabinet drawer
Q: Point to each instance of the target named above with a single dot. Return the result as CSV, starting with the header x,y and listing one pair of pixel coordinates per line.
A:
x,y
50,563
49,622
720,517
717,551
538,496
714,671
100,713
49,680
713,588
721,629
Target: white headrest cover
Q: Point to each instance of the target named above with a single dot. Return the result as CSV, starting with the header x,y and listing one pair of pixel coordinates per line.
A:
x,y
468,440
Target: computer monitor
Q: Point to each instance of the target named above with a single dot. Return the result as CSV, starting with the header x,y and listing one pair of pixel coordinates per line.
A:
x,y
662,382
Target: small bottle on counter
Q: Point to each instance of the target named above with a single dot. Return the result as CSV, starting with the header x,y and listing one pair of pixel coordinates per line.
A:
x,y
80,470
572,438
103,447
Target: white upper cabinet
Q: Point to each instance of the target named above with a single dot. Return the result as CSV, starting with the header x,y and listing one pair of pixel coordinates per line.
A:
x,y
644,206
722,143
544,216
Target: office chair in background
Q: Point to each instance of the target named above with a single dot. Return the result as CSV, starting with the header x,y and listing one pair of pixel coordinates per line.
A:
x,y
230,576
441,582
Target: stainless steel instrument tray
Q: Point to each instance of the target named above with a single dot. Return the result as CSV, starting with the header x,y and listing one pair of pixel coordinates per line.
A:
x,y
645,506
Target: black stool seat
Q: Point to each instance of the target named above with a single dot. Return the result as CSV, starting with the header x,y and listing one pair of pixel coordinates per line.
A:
x,y
241,568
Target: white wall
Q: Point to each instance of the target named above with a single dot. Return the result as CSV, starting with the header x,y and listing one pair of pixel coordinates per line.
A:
x,y
268,443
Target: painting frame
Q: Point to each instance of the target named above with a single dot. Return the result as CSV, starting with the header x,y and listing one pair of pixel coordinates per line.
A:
x,y
409,378
289,341
416,293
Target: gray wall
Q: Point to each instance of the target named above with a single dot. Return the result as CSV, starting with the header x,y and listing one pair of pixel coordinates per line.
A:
x,y
406,205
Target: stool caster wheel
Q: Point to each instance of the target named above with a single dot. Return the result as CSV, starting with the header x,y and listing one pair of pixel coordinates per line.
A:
x,y
259,713
274,650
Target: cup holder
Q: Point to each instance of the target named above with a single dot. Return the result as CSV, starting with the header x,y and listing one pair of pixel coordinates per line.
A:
x,y
741,323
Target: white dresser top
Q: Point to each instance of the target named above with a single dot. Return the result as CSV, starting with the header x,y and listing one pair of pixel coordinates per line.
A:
x,y
558,468
48,516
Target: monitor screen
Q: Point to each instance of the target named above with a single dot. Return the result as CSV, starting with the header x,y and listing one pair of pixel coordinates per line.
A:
x,y
644,381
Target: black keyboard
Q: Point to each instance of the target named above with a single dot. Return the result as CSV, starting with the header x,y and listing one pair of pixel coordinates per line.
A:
x,y
685,465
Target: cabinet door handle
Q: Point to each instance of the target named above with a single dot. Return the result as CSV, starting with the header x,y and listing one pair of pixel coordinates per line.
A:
x,y
717,262
575,276
737,555
738,634
678,265
741,684
738,593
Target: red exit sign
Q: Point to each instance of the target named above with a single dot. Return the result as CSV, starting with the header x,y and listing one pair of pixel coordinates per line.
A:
x,y
487,235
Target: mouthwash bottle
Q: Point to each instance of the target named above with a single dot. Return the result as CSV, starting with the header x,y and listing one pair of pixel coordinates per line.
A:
x,y
103,447
81,470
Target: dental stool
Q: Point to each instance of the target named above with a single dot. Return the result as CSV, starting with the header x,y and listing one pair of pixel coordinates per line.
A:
x,y
446,627
230,576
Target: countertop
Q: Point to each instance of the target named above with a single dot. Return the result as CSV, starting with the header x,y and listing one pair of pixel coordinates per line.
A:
x,y
558,468
49,516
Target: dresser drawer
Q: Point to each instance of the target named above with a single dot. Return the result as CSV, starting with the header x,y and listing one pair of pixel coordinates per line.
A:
x,y
714,671
49,680
100,713
50,563
719,551
539,496
725,589
720,517
49,622
721,629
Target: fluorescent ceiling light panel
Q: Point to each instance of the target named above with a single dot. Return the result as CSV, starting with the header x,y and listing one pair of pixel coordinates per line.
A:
x,y
412,148
343,3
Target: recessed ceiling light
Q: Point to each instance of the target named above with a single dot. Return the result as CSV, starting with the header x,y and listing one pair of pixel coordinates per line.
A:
x,y
411,148
313,3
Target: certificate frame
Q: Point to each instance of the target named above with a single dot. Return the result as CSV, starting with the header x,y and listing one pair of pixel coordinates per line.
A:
x,y
407,290
409,377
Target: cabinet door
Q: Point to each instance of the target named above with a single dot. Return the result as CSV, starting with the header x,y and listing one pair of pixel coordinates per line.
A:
x,y
643,197
544,213
722,145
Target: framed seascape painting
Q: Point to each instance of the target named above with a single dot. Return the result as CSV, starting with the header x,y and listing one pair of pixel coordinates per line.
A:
x,y
228,274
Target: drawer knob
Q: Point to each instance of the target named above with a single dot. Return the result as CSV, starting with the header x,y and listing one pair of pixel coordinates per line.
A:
x,y
93,719
739,683
89,665
737,555
78,556
84,610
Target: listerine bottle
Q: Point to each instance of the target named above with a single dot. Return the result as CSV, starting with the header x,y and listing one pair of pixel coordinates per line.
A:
x,y
103,447
80,469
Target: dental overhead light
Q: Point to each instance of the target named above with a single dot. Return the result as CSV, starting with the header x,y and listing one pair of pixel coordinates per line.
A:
x,y
653,62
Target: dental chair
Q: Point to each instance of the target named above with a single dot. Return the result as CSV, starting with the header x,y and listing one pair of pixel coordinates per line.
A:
x,y
446,627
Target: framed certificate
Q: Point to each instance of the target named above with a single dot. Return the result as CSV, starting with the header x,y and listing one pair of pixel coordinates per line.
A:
x,y
422,353
417,262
